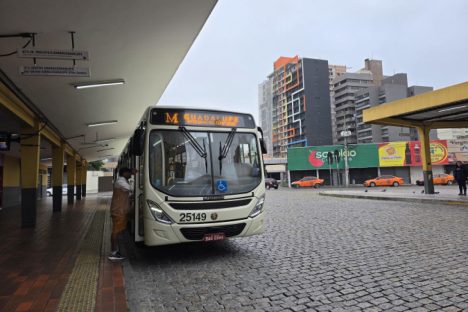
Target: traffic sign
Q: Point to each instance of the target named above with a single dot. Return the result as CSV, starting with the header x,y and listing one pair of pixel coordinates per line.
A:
x,y
345,133
53,54
54,71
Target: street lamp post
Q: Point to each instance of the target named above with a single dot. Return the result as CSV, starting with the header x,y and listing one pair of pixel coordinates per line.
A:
x,y
345,134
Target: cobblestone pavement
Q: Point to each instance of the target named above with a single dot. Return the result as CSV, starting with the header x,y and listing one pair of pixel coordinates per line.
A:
x,y
317,254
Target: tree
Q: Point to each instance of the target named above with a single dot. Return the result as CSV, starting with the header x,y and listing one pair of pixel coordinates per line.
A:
x,y
95,165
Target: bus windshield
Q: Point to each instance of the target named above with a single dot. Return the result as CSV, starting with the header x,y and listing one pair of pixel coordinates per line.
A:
x,y
200,163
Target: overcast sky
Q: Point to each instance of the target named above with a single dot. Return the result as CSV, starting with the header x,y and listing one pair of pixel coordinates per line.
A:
x,y
236,49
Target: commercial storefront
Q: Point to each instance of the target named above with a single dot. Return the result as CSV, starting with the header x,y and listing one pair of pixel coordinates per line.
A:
x,y
365,161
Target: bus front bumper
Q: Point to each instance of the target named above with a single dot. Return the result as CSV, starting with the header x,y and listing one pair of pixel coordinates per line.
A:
x,y
157,233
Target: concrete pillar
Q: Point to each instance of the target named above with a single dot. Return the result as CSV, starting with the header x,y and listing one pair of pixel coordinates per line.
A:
x,y
30,152
71,178
84,177
426,159
78,181
57,177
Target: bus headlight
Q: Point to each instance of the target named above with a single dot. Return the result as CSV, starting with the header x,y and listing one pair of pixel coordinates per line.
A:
x,y
158,213
258,207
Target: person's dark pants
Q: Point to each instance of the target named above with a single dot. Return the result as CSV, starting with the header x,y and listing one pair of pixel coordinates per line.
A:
x,y
462,186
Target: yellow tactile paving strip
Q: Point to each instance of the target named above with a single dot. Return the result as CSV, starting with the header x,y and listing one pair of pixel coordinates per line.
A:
x,y
80,291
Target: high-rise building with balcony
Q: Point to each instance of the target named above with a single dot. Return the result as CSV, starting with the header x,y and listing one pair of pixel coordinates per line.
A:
x,y
265,111
346,86
334,71
390,89
300,104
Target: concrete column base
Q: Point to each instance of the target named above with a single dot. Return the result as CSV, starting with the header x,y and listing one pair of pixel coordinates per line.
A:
x,y
428,182
57,199
28,207
83,190
78,192
71,194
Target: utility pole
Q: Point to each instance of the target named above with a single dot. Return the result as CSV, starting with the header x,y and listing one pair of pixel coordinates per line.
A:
x,y
345,135
330,163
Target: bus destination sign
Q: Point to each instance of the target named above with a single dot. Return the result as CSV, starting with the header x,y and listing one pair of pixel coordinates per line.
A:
x,y
201,118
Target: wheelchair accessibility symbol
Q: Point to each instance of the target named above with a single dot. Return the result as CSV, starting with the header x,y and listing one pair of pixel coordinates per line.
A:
x,y
221,185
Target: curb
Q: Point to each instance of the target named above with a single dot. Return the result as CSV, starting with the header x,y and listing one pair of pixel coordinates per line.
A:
x,y
401,199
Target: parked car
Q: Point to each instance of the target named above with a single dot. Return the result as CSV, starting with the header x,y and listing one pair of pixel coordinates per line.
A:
x,y
439,179
50,190
384,180
271,183
308,182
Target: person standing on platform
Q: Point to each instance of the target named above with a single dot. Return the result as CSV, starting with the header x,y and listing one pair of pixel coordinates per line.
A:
x,y
460,176
119,208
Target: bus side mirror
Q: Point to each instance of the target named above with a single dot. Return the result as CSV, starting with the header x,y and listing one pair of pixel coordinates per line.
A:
x,y
138,142
263,147
262,142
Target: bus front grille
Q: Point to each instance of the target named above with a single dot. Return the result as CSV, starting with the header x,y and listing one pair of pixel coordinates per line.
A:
x,y
210,205
199,232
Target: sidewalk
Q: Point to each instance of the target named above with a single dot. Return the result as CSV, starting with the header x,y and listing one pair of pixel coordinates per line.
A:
x,y
59,265
445,195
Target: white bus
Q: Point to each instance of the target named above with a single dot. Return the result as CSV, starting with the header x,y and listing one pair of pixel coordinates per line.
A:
x,y
200,176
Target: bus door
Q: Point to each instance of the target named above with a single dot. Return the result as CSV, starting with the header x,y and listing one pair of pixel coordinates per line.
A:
x,y
139,199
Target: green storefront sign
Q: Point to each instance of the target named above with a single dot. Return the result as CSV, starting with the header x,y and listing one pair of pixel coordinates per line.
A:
x,y
316,157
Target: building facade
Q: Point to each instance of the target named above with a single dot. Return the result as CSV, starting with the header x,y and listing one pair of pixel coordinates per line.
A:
x,y
452,134
390,89
345,87
265,111
334,71
300,104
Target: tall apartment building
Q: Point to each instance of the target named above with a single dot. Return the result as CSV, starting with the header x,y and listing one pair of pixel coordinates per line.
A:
x,y
300,104
345,86
375,68
265,113
334,71
345,108
390,89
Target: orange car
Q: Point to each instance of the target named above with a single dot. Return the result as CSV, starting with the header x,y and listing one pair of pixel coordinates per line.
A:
x,y
385,180
308,181
440,179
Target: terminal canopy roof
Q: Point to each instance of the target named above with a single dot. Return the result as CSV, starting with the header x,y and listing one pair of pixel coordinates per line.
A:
x,y
141,42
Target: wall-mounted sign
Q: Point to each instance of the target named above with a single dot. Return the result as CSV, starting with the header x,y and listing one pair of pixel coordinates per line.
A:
x,y
53,54
457,150
391,154
408,153
316,157
54,71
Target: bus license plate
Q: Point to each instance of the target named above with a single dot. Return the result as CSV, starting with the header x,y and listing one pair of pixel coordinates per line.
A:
x,y
192,217
214,237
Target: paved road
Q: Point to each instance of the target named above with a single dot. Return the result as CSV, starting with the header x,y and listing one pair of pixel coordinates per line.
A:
x,y
318,254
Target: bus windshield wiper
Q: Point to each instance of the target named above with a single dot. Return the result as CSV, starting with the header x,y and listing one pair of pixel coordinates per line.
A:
x,y
223,151
201,151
